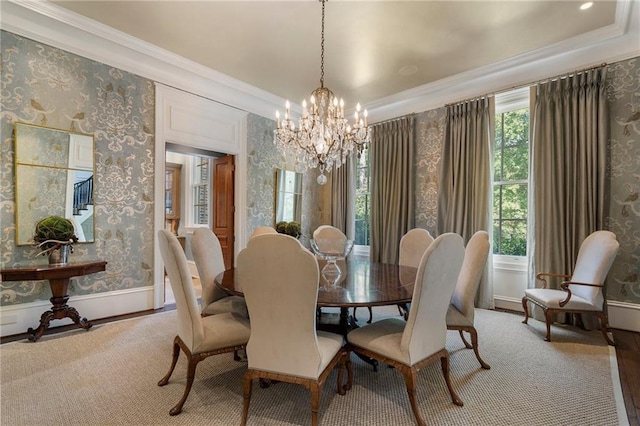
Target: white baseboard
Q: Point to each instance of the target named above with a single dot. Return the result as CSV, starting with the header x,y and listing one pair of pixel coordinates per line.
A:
x,y
622,315
17,319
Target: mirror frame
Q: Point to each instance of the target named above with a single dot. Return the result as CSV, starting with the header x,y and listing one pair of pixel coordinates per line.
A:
x,y
36,155
279,196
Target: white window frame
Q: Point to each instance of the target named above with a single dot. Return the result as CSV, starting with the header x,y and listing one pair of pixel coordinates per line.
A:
x,y
505,102
188,196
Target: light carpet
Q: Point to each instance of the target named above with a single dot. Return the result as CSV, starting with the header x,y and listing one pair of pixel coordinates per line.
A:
x,y
108,376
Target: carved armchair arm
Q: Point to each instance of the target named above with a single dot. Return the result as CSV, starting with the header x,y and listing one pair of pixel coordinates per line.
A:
x,y
565,286
540,276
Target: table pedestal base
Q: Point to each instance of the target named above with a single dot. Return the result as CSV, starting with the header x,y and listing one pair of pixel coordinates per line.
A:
x,y
60,310
345,325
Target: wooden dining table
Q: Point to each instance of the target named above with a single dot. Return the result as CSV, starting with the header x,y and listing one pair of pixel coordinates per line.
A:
x,y
362,284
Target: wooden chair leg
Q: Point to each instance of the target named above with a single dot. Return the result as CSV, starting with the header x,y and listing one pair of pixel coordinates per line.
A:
x,y
466,344
191,374
604,327
474,342
410,380
548,316
444,362
315,403
246,391
370,315
174,360
349,383
525,307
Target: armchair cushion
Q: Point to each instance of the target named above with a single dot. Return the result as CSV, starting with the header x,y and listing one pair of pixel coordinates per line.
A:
x,y
552,299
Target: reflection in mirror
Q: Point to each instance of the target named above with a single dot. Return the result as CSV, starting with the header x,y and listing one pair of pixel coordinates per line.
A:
x,y
54,176
288,199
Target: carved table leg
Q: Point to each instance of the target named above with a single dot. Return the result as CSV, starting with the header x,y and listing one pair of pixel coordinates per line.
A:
x,y
60,309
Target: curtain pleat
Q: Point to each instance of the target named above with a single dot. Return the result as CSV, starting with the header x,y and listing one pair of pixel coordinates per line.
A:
x,y
464,197
568,164
392,186
343,198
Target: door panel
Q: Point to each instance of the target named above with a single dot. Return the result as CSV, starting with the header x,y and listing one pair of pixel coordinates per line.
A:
x,y
223,206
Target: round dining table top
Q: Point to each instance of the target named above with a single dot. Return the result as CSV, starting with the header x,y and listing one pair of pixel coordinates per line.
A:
x,y
362,283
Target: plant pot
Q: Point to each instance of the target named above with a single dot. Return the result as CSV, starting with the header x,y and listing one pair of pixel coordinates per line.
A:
x,y
60,255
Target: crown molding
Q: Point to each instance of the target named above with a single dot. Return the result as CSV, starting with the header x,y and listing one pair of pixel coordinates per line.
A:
x,y
47,23
616,42
50,24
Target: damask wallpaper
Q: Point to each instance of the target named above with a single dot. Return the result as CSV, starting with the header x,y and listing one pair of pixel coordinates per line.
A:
x,y
262,159
623,92
50,87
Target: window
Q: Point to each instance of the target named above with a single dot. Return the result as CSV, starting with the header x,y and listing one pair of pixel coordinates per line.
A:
x,y
200,190
511,174
363,199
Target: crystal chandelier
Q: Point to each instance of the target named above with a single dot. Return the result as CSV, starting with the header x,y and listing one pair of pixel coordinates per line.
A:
x,y
323,138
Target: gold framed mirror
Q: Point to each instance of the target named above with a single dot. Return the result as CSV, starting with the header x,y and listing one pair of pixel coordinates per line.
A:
x,y
288,196
54,172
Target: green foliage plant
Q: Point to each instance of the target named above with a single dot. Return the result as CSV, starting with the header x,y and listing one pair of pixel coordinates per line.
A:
x,y
52,232
290,228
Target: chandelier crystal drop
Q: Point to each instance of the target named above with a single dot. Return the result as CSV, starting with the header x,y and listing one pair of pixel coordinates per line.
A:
x,y
323,138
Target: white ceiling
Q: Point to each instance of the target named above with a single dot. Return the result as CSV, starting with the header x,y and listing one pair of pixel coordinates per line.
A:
x,y
275,45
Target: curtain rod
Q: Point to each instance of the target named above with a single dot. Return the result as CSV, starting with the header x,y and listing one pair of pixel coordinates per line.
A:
x,y
520,86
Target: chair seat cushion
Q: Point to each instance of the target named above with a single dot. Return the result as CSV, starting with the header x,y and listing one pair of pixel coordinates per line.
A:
x,y
329,344
552,298
225,305
382,337
455,318
222,331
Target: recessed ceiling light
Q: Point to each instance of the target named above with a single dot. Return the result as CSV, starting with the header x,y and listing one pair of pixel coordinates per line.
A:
x,y
408,70
586,5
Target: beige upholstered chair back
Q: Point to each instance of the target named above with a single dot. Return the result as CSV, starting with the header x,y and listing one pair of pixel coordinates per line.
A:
x,y
475,260
280,283
413,244
595,258
426,329
190,327
260,230
207,255
329,239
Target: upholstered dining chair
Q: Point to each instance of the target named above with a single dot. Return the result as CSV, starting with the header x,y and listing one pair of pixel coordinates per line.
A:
x,y
280,283
207,255
198,337
583,292
421,340
413,244
461,312
263,230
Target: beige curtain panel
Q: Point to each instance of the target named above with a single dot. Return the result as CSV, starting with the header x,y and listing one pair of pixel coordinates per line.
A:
x,y
343,198
392,163
568,168
464,197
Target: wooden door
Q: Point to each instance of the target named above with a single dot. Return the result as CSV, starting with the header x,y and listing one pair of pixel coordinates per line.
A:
x,y
223,206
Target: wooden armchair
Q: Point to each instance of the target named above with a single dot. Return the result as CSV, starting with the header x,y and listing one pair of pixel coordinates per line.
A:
x,y
582,293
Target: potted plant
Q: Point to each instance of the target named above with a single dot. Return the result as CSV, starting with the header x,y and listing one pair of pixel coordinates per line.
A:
x,y
290,228
55,236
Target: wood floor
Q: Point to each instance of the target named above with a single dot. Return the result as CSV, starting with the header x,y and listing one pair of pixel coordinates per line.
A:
x,y
627,352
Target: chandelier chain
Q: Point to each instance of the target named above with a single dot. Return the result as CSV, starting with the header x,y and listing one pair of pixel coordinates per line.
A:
x,y
322,48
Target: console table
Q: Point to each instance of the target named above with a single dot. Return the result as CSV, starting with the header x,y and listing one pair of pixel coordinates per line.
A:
x,y
58,277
